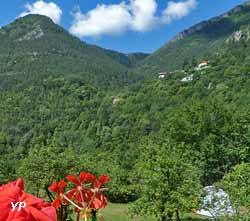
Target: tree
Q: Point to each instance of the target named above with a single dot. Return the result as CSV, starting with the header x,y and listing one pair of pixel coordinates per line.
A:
x,y
168,185
44,165
237,184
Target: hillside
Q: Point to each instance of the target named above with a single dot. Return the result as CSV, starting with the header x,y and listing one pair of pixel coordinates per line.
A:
x,y
35,45
196,43
63,111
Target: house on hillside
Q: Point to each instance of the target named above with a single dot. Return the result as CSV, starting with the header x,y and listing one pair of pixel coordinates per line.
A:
x,y
188,78
203,64
162,75
238,35
116,100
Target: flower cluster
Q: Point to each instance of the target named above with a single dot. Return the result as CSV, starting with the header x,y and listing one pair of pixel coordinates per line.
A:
x,y
35,209
87,195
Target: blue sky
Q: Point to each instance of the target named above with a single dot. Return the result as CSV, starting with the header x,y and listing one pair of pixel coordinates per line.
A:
x,y
122,25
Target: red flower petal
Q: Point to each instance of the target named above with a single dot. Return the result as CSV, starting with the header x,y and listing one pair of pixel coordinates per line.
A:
x,y
18,216
99,202
87,177
17,183
42,216
101,180
56,203
58,187
53,187
71,193
62,185
50,212
73,179
36,209
30,199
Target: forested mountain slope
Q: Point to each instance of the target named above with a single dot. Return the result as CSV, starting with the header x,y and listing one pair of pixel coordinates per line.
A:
x,y
196,43
35,45
62,112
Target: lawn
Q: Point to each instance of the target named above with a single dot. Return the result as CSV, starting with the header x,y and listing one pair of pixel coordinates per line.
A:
x,y
119,212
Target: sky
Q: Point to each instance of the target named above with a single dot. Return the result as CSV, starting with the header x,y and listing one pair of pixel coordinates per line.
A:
x,y
122,25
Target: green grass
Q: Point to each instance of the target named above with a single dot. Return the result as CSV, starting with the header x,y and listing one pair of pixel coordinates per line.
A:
x,y
119,212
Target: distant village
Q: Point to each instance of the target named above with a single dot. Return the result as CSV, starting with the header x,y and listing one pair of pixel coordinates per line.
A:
x,y
202,65
162,75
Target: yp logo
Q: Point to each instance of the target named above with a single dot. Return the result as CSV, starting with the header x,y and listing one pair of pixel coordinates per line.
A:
x,y
20,205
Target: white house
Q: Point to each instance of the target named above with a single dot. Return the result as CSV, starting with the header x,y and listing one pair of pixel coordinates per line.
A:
x,y
188,78
162,75
117,100
238,35
203,64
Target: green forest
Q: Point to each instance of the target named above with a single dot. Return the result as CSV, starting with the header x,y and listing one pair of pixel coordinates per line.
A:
x,y
66,107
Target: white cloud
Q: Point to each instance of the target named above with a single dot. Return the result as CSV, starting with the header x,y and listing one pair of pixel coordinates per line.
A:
x,y
143,14
136,15
178,10
103,20
42,8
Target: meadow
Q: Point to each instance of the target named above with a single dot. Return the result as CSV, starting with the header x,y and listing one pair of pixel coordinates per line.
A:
x,y
119,212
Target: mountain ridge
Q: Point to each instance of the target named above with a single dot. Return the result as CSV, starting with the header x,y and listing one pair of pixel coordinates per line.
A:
x,y
204,23
196,43
34,43
34,38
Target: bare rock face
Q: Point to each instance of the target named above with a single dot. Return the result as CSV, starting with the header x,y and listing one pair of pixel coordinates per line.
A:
x,y
204,24
241,35
34,34
190,31
216,203
238,35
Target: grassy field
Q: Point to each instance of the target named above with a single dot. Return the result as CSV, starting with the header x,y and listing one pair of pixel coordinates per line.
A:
x,y
119,212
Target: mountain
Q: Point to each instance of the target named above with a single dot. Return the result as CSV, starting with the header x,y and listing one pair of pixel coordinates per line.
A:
x,y
35,45
196,43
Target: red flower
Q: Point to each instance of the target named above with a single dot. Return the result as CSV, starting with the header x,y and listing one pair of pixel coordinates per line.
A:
x,y
59,189
83,177
101,181
35,210
84,195
18,183
81,193
100,200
